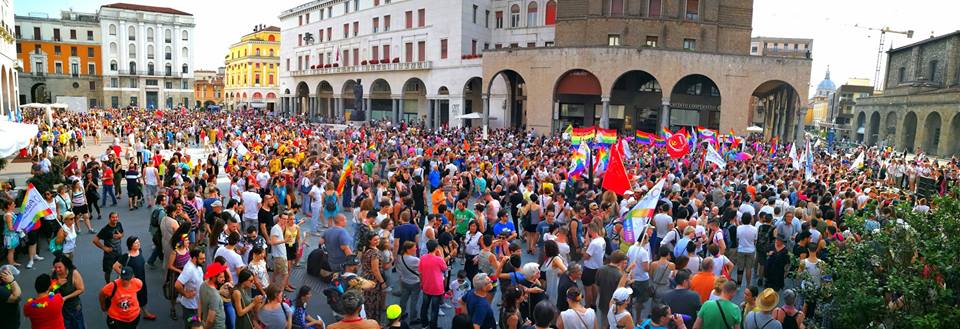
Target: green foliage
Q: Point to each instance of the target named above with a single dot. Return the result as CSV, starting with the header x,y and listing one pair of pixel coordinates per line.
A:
x,y
899,260
47,181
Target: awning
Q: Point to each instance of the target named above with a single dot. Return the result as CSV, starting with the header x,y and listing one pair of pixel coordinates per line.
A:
x,y
473,116
15,137
754,129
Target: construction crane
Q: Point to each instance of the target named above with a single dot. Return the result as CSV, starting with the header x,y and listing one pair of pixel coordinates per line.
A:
x,y
883,35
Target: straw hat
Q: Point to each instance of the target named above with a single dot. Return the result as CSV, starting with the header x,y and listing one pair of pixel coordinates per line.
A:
x,y
767,300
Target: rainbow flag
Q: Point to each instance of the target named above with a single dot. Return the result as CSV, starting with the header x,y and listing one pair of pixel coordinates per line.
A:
x,y
32,209
773,146
601,159
644,137
659,141
707,134
606,136
665,133
578,161
582,134
347,171
635,221
742,156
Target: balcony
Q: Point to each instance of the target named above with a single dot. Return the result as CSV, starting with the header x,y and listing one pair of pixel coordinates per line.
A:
x,y
150,73
410,66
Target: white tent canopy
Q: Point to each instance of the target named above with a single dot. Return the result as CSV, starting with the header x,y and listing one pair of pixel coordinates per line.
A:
x,y
473,116
754,129
15,136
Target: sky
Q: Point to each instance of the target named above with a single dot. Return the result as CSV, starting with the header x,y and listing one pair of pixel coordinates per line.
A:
x,y
849,51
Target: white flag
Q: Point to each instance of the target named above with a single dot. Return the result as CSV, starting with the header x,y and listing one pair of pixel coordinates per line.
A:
x,y
715,157
34,208
858,163
626,149
808,171
637,218
793,156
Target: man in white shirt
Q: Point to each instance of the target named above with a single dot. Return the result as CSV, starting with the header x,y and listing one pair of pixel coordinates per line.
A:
x,y
278,252
263,179
188,284
639,257
746,208
229,252
592,261
251,206
151,182
746,258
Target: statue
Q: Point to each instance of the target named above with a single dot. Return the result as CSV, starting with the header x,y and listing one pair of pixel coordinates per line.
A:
x,y
358,110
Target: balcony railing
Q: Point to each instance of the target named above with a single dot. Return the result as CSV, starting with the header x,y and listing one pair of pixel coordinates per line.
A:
x,y
151,73
409,66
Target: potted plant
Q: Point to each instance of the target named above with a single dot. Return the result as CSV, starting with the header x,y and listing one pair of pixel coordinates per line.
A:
x,y
396,59
374,61
363,62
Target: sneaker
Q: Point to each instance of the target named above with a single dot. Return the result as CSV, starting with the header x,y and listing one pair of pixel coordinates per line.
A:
x,y
446,305
441,313
389,289
37,257
30,264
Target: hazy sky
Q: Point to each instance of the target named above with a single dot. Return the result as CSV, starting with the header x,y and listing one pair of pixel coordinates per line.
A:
x,y
850,51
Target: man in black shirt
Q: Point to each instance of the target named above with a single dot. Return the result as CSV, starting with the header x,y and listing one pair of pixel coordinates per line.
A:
x,y
567,280
108,240
682,300
417,192
265,215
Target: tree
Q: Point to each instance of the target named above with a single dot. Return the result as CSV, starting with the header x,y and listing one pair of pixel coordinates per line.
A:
x,y
904,275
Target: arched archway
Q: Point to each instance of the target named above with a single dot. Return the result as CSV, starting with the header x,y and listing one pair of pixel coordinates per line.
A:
x,y
774,106
861,128
874,129
441,110
347,100
953,145
578,93
635,102
472,99
325,101
506,100
890,129
931,131
301,100
381,105
908,137
414,100
694,101
38,93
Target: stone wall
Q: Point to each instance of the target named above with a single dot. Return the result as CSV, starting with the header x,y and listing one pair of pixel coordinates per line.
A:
x,y
936,114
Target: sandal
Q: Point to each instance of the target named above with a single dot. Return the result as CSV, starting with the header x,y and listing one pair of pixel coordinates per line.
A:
x,y
150,317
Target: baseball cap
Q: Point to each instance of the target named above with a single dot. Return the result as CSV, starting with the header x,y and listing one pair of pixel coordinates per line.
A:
x,y
126,273
394,311
213,270
622,295
216,204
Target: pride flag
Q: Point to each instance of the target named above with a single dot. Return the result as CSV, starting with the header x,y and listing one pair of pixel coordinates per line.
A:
x,y
742,156
600,160
578,161
636,220
773,146
33,208
644,137
347,171
665,133
582,134
606,136
659,141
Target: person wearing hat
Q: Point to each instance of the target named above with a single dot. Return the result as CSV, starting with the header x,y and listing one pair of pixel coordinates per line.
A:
x,y
211,305
395,317
761,317
619,314
119,300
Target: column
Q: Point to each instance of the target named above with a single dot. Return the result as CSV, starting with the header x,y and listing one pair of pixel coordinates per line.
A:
x,y
486,112
394,110
605,112
665,114
340,111
802,113
400,109
367,109
431,106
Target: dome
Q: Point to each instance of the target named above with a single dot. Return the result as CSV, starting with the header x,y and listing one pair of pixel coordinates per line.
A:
x,y
826,87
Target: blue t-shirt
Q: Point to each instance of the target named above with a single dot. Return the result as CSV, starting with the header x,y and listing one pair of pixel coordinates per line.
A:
x,y
434,178
480,312
501,227
334,238
405,232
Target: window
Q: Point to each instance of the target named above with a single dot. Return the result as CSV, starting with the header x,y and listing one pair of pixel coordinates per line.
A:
x,y
376,24
652,41
613,40
307,18
346,30
386,23
532,14
300,39
486,45
346,57
16,32
73,51
356,28
486,19
375,52
75,69
150,69
475,8
689,44
185,69
616,7
548,44
167,36
356,5
93,85
56,50
653,8
288,64
132,33
91,69
796,46
115,100
421,50
531,44
73,34
497,46
421,17
409,17
753,50
515,16
473,47
89,35
693,9
499,19
329,34
168,70
901,74
346,7
408,52
386,52
113,65
58,68
36,33
933,71
184,36
168,53
300,20
90,52
443,47
551,14
56,34
356,56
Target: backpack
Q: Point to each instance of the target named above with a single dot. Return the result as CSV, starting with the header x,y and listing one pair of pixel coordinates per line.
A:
x,y
730,239
155,222
330,203
318,265
764,238
339,284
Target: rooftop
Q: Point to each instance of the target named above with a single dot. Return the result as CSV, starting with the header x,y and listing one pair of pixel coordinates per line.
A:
x,y
927,40
130,6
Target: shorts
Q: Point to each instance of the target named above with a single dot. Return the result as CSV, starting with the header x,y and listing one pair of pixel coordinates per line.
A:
x,y
279,270
745,261
641,291
532,228
589,276
292,250
33,237
80,210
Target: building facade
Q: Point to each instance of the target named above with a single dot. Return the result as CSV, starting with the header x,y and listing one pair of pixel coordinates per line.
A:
x,y
9,61
208,89
918,110
409,59
61,58
781,47
253,70
846,96
148,56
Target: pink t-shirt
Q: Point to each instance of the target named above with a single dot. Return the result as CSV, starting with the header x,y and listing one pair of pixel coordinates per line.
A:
x,y
432,268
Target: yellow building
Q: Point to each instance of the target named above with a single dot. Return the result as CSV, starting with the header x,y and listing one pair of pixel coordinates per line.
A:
x,y
253,69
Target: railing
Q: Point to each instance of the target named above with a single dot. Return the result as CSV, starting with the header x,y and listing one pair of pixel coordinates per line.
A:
x,y
149,73
408,66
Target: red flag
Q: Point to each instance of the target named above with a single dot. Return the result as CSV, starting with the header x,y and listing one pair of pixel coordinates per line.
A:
x,y
616,178
677,145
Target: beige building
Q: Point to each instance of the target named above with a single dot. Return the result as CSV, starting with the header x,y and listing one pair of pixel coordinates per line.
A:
x,y
918,110
781,47
645,64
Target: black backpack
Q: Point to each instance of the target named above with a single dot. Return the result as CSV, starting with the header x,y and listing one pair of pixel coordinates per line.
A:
x,y
730,238
318,264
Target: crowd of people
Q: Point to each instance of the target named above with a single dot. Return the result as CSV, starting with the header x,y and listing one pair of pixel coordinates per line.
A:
x,y
490,229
